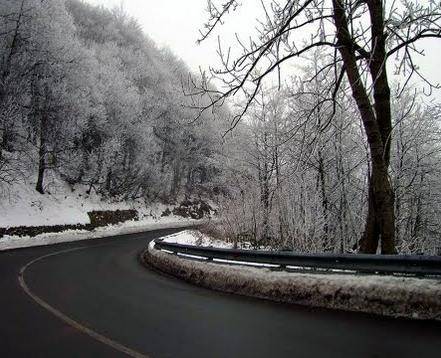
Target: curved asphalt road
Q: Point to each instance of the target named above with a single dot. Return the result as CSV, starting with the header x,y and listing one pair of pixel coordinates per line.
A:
x,y
103,287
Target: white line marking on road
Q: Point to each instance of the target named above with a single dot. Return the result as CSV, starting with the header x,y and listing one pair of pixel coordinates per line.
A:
x,y
99,337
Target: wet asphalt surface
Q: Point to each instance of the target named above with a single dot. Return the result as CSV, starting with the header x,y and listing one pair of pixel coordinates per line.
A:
x,y
105,288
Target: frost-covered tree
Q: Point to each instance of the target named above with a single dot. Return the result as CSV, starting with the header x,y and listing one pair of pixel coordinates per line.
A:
x,y
85,94
358,39
317,176
415,169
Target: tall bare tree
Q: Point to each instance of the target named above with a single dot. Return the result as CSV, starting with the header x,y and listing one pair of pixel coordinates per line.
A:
x,y
357,37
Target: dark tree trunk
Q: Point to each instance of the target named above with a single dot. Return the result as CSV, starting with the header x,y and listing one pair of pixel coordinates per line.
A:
x,y
109,181
189,185
41,169
266,207
382,187
203,176
176,182
42,114
279,192
380,220
325,202
376,118
42,154
263,169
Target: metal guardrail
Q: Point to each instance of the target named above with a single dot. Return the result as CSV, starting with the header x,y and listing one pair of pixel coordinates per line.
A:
x,y
415,265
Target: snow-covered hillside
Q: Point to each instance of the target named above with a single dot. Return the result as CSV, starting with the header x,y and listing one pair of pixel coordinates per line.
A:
x,y
22,205
66,205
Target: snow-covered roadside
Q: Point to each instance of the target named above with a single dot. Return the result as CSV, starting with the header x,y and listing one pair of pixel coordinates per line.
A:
x,y
61,205
128,227
384,295
196,238
192,237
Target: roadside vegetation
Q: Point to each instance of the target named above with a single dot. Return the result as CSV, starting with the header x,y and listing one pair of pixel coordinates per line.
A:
x,y
338,154
85,94
344,149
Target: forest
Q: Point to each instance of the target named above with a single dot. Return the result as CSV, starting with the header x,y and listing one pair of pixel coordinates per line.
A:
x,y
87,96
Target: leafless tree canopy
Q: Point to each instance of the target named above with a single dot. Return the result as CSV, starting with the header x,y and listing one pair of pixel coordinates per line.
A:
x,y
327,152
356,39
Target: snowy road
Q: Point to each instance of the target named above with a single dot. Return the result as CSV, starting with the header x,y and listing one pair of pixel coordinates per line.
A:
x,y
103,290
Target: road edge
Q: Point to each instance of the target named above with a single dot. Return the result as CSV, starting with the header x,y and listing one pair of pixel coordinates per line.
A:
x,y
66,319
102,233
316,290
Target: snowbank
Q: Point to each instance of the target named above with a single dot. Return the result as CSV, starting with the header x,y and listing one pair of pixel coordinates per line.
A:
x,y
129,227
384,295
192,237
196,238
61,205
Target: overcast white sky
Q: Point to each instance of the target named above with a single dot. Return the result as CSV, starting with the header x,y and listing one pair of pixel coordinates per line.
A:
x,y
175,24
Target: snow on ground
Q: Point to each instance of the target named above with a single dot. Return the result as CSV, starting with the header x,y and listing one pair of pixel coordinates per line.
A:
x,y
192,237
128,227
22,205
196,238
385,295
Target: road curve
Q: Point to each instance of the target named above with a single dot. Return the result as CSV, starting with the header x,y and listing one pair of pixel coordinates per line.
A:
x,y
102,289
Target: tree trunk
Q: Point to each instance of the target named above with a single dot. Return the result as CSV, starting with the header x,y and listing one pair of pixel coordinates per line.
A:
x,y
43,132
41,169
189,185
371,235
264,188
380,223
376,118
108,181
324,200
42,154
279,192
176,181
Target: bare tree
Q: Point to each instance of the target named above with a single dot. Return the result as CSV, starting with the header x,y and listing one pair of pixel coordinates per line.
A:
x,y
357,38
